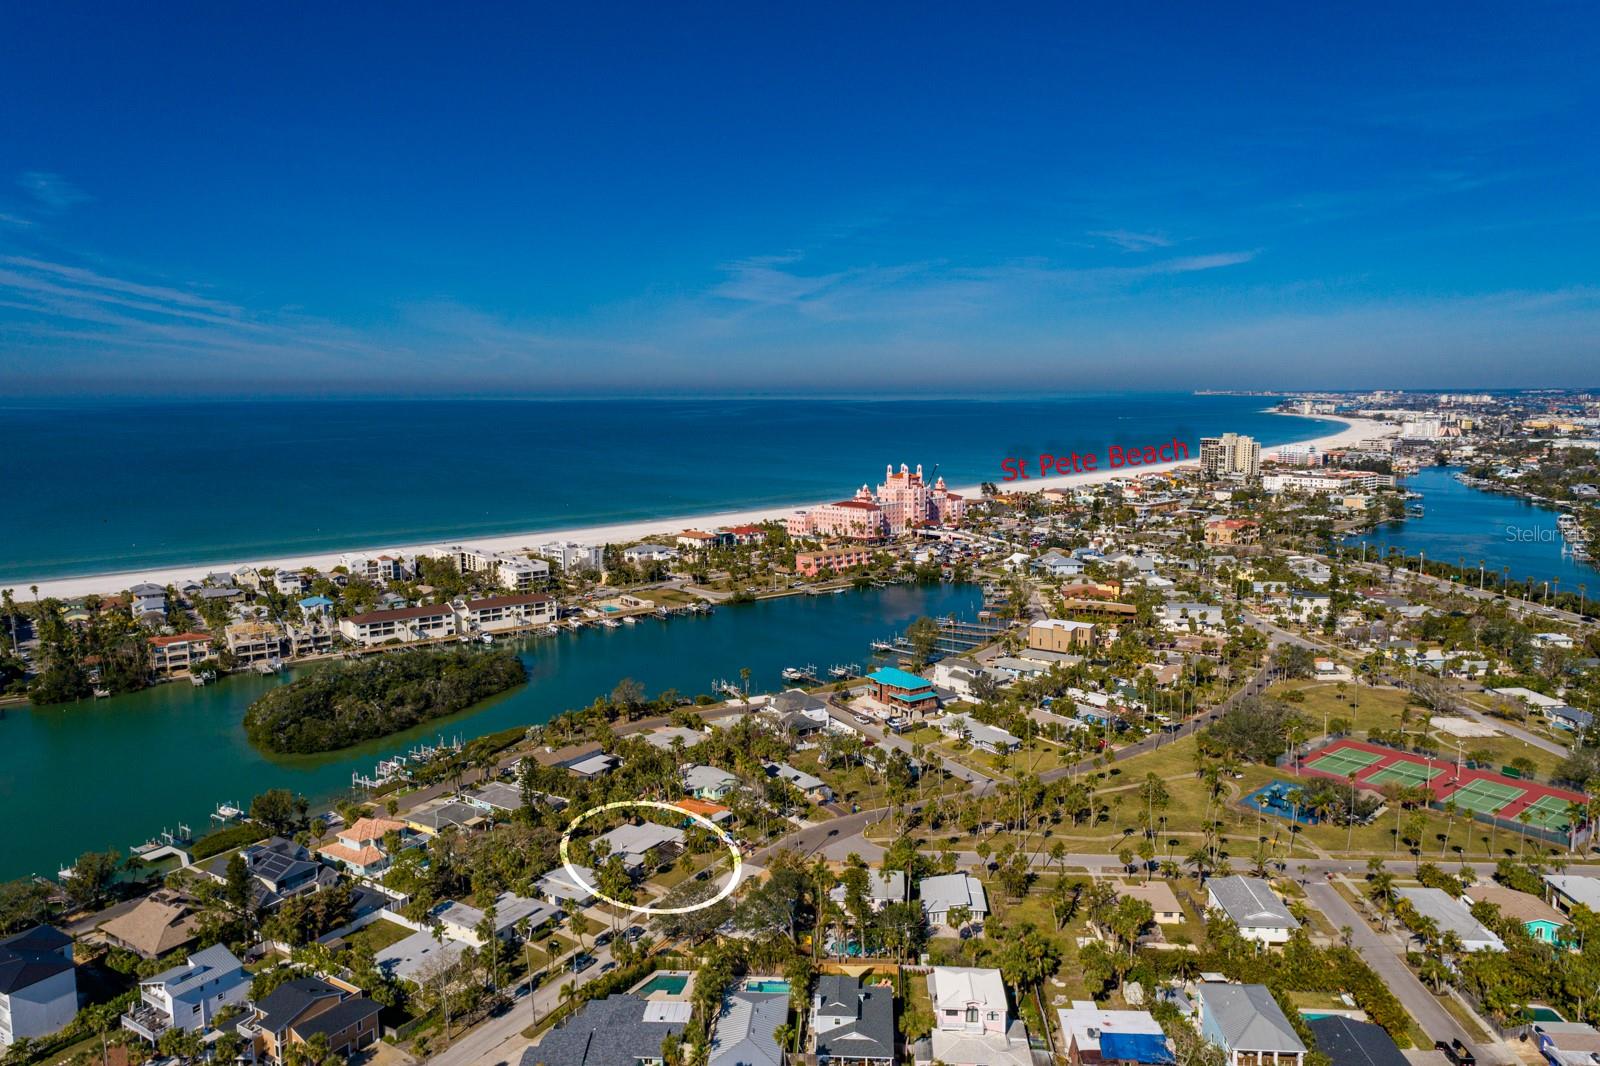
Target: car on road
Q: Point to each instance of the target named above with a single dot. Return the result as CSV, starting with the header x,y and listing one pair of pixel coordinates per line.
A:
x,y
863,719
1457,1052
580,962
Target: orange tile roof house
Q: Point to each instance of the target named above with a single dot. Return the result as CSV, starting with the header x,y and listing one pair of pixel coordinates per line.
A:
x,y
359,847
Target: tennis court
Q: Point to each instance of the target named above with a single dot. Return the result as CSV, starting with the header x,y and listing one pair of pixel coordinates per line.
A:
x,y
1484,797
1408,774
1344,762
1547,812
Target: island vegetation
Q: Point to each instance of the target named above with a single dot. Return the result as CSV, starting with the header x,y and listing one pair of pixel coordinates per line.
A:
x,y
337,707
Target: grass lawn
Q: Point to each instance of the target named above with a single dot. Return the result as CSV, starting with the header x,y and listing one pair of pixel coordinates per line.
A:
x,y
850,784
1501,751
378,935
1364,708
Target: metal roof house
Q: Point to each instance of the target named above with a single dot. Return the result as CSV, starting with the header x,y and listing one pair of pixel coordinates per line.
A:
x,y
1247,1023
1451,916
746,1030
1250,903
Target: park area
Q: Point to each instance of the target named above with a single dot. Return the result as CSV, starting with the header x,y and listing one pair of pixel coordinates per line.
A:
x,y
1474,790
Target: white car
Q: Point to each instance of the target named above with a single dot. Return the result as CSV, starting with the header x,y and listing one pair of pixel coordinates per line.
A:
x,y
863,719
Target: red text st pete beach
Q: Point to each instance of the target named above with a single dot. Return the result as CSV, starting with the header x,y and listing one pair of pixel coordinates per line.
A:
x,y
1074,463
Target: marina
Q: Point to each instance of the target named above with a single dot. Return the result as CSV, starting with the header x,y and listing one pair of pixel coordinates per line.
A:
x,y
192,738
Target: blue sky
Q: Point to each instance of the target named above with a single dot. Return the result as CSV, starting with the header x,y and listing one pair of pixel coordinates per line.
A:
x,y
924,197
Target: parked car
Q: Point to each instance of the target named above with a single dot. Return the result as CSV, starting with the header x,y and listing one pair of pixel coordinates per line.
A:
x,y
580,963
1457,1052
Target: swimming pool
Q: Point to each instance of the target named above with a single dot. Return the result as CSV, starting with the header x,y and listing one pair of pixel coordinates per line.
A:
x,y
670,983
765,984
1538,1012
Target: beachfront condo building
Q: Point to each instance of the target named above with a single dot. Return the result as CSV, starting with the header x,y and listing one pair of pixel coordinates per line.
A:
x,y
904,501
1231,455
570,555
515,573
380,569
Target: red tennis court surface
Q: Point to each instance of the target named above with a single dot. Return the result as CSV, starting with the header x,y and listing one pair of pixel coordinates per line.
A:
x,y
1478,791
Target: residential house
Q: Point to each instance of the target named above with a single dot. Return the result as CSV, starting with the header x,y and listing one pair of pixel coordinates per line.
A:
x,y
746,1030
279,868
254,642
961,675
304,1007
561,888
1248,1025
415,958
1542,921
462,922
984,737
359,846
1250,904
1569,890
620,1030
160,923
883,888
38,984
1567,1043
148,600
943,893
1163,903
179,653
902,692
1059,634
1182,617
497,797
438,815
852,1023
1349,1042
400,625
290,582
593,765
1451,916
317,608
1056,564
643,845
972,1024
189,995
708,782
813,788
1094,1034
649,553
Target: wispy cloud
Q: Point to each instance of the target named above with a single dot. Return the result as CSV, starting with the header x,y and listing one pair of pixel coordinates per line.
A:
x,y
1130,241
51,191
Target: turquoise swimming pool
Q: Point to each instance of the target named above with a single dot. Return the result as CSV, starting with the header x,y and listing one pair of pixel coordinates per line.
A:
x,y
769,985
670,983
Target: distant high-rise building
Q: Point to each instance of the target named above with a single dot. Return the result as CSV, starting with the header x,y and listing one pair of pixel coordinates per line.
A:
x,y
1230,455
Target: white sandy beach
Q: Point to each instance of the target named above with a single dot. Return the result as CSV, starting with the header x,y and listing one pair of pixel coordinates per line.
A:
x,y
1354,430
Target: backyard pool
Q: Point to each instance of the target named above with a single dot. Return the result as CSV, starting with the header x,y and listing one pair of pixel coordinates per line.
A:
x,y
671,983
768,985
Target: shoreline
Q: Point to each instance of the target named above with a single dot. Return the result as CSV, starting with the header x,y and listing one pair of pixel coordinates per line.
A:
x,y
1354,429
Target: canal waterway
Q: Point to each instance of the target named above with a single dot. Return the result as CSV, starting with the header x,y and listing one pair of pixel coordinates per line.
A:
x,y
114,772
1463,525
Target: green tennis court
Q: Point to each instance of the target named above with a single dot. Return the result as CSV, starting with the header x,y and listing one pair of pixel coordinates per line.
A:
x,y
1405,773
1344,762
1484,797
1548,812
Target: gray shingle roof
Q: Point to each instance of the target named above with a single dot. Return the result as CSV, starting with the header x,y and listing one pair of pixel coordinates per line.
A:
x,y
606,1032
1351,1043
871,1035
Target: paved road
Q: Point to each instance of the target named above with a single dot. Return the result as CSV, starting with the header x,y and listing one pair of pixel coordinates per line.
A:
x,y
499,1041
1383,956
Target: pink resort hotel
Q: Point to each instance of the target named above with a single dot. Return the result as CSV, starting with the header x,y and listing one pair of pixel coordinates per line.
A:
x,y
903,502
